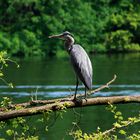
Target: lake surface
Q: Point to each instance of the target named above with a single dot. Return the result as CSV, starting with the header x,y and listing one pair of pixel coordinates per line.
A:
x,y
54,77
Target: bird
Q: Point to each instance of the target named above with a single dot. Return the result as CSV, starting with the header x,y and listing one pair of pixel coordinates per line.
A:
x,y
79,59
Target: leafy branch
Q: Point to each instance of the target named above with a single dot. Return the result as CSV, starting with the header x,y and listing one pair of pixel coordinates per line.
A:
x,y
118,127
4,59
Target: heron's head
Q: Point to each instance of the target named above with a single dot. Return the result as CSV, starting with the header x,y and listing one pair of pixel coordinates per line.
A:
x,y
65,36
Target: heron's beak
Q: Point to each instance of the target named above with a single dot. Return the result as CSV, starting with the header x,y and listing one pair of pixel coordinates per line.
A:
x,y
56,36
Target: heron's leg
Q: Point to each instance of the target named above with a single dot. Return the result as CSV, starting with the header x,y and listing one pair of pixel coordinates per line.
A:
x,y
85,93
77,82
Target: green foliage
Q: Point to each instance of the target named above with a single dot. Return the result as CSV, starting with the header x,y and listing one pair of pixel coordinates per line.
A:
x,y
117,129
16,128
20,129
6,102
124,27
99,26
4,59
118,39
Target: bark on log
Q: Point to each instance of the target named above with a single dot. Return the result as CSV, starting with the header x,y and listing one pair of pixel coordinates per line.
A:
x,y
69,104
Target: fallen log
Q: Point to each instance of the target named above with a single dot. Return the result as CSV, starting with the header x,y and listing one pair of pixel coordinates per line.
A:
x,y
68,104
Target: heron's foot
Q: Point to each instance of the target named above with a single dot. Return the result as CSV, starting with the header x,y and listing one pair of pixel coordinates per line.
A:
x,y
85,98
77,101
74,99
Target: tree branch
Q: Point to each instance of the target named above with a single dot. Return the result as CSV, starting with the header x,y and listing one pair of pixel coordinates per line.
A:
x,y
113,129
68,104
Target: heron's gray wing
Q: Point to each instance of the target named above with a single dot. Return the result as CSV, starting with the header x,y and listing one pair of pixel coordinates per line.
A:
x,y
82,65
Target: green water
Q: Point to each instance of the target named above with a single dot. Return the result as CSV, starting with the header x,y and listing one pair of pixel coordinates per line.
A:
x,y
54,77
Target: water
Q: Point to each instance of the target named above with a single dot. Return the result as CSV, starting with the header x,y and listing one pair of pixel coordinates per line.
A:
x,y
53,78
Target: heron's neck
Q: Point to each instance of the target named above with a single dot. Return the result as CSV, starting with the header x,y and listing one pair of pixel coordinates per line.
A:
x,y
68,43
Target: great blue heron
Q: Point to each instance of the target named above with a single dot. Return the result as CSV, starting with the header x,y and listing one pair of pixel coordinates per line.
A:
x,y
79,59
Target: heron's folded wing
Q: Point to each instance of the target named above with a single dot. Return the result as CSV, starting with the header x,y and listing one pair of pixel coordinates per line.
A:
x,y
82,65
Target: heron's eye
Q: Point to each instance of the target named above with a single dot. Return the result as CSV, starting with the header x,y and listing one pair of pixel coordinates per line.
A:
x,y
66,33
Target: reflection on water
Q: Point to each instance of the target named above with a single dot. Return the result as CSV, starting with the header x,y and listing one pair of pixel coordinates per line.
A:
x,y
53,78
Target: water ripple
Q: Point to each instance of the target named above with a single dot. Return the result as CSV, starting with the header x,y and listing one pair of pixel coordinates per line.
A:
x,y
66,93
67,86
